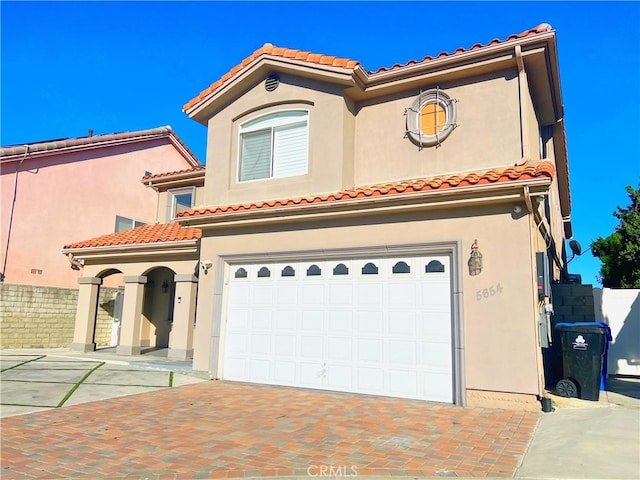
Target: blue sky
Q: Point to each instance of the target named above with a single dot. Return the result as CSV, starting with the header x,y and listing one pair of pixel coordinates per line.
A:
x,y
67,67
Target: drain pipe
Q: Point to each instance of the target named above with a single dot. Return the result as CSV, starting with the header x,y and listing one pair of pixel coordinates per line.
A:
x,y
13,207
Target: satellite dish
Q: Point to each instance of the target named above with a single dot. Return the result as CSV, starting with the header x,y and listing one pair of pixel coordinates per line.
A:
x,y
575,247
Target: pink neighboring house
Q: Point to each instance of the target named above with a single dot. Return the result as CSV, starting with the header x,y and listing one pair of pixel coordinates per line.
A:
x,y
60,190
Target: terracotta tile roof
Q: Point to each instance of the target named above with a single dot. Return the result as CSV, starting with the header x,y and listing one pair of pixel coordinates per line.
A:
x,y
526,171
50,146
153,233
177,172
268,49
542,28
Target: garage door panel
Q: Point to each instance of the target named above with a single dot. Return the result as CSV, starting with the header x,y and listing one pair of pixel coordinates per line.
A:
x,y
312,347
370,323
340,321
286,346
340,293
403,352
370,294
403,383
371,326
403,324
402,294
313,294
340,377
260,344
262,293
370,380
259,370
312,375
284,373
286,320
369,350
340,349
313,321
262,320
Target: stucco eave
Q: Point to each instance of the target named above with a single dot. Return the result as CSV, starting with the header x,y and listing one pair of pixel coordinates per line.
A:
x,y
435,199
146,250
206,108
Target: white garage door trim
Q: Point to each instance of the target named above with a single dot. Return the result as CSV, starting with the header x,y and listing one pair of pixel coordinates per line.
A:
x,y
349,381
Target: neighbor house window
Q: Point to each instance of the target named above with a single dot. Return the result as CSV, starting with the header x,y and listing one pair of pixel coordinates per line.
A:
x,y
125,223
180,199
274,146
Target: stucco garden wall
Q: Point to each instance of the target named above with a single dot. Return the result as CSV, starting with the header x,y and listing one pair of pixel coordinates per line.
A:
x,y
44,317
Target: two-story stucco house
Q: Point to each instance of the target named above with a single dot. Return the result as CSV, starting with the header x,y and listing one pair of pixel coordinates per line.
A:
x,y
388,232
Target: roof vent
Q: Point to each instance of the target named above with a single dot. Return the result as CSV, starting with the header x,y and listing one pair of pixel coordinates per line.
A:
x,y
272,82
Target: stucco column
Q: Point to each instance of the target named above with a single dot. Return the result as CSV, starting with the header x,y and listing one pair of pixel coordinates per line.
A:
x,y
184,314
86,312
131,315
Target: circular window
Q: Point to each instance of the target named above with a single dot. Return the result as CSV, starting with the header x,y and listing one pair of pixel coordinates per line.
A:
x,y
431,118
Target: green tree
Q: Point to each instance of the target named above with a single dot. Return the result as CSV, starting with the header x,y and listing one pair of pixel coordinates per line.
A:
x,y
620,251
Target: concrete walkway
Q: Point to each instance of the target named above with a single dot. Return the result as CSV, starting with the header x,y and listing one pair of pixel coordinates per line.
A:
x,y
100,415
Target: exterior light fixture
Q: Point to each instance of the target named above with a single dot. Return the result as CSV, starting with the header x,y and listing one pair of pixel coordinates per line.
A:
x,y
475,260
165,286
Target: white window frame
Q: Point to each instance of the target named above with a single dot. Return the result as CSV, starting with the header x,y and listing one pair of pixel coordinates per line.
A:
x,y
171,201
134,223
263,122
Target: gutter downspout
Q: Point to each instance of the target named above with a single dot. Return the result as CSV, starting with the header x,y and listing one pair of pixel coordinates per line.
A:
x,y
522,82
13,207
537,304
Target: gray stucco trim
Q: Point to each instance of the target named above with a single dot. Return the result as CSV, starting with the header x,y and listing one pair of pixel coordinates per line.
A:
x,y
453,249
90,281
135,279
185,277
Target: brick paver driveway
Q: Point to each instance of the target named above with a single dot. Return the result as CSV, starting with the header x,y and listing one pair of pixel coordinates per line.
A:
x,y
222,429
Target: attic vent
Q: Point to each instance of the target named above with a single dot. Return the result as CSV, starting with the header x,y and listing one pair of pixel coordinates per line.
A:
x,y
272,82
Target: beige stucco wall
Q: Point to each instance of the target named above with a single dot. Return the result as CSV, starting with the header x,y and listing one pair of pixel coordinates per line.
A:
x,y
501,344
488,133
72,197
331,142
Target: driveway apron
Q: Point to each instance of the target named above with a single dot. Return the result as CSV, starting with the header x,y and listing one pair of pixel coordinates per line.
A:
x,y
219,429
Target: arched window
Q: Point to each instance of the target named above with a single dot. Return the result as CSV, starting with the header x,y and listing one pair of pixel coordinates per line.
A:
x,y
401,267
370,269
341,269
288,271
434,266
264,272
313,270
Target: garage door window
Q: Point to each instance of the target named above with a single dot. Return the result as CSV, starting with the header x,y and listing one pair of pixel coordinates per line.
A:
x,y
370,269
241,273
264,272
288,271
341,269
434,266
314,271
401,267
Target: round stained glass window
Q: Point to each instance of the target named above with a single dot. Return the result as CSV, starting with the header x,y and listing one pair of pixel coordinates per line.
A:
x,y
431,118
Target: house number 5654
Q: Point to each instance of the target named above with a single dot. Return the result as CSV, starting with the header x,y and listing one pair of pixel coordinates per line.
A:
x,y
488,292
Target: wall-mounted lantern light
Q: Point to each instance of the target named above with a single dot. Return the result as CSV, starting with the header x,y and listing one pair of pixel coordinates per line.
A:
x,y
165,286
475,260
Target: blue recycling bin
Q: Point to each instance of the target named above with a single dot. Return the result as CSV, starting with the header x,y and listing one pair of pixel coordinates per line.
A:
x,y
584,359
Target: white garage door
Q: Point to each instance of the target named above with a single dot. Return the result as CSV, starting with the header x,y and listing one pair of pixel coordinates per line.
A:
x,y
377,326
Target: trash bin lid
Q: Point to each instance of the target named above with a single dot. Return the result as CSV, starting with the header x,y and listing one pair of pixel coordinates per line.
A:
x,y
586,327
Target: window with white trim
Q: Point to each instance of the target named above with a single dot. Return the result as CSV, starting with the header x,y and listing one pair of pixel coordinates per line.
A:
x,y
125,223
274,146
180,199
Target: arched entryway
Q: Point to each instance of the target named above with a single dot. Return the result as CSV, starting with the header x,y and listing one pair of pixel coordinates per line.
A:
x,y
109,312
158,308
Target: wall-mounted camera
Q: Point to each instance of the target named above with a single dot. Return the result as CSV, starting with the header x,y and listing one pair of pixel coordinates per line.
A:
x,y
206,265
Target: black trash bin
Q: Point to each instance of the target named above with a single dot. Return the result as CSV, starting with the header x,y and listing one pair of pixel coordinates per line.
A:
x,y
583,347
